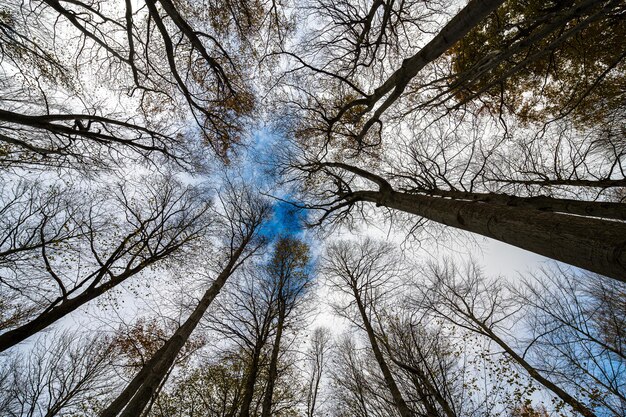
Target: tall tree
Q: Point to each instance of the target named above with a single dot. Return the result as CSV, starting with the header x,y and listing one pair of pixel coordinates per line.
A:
x,y
318,358
62,373
591,243
287,271
464,298
81,252
244,213
364,271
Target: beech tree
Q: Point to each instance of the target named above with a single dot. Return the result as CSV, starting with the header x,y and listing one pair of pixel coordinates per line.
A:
x,y
575,324
362,271
82,252
258,316
494,118
318,359
290,279
502,70
464,298
243,215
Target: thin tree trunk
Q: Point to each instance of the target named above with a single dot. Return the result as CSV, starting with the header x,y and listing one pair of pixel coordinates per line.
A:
x,y
593,244
400,404
606,183
536,375
48,317
248,393
424,380
273,371
313,390
139,391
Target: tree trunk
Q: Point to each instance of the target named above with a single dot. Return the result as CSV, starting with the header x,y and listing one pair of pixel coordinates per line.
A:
x,y
576,405
248,393
400,404
48,317
141,389
605,183
601,209
273,371
593,244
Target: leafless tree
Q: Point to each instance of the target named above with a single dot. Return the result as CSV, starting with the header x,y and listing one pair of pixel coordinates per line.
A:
x,y
338,190
466,299
575,325
80,252
290,280
318,356
364,271
62,373
243,215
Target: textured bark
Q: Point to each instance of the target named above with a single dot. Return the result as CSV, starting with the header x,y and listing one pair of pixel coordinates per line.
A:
x,y
593,244
602,209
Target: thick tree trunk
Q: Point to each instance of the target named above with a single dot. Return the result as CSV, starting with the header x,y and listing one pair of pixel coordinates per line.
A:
x,y
400,404
140,390
601,209
593,244
273,371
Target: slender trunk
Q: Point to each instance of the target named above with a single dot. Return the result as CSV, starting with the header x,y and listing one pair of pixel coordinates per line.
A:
x,y
593,244
138,392
400,404
314,387
424,380
602,209
424,397
19,334
273,371
248,393
576,405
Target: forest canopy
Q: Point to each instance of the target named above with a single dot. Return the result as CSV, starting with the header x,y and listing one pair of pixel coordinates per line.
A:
x,y
347,208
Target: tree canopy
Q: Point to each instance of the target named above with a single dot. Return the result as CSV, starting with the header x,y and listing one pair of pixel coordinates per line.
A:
x,y
277,208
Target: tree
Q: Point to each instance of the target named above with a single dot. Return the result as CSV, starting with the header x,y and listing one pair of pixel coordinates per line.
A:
x,y
590,243
428,358
290,279
62,373
318,358
82,252
212,389
364,271
575,328
244,213
466,299
577,69
151,52
341,145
